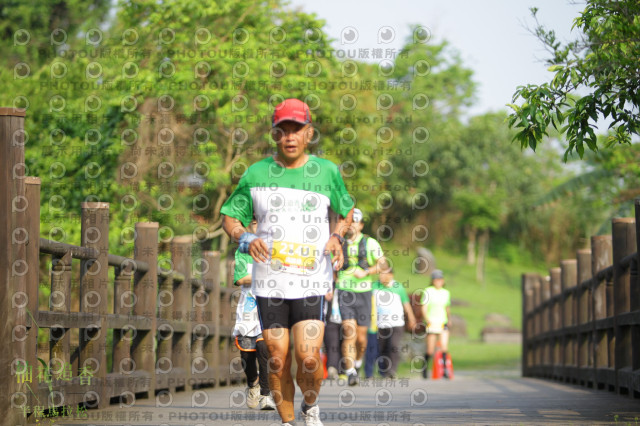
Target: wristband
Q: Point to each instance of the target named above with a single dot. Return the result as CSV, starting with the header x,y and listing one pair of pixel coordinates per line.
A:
x,y
339,237
245,240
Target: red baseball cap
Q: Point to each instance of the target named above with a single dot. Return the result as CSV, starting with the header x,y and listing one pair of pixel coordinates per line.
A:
x,y
291,110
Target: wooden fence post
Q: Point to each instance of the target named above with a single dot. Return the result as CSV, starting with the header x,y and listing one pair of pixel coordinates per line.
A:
x,y
635,294
122,302
32,193
145,288
568,278
12,255
601,258
212,346
635,301
624,244
635,304
537,322
584,316
200,332
181,354
164,358
545,315
528,305
556,320
94,283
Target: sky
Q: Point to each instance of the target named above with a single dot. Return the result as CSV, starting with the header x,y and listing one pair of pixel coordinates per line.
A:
x,y
490,35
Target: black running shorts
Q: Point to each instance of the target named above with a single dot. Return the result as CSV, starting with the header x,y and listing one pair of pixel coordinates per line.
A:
x,y
355,305
275,312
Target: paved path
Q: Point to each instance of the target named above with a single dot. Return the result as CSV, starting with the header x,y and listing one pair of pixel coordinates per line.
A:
x,y
471,398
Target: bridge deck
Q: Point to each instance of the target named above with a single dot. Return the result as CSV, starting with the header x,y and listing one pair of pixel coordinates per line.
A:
x,y
481,398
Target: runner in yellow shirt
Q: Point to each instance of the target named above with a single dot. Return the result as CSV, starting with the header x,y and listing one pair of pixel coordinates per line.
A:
x,y
436,312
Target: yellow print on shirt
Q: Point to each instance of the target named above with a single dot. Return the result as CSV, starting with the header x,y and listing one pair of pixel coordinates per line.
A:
x,y
295,258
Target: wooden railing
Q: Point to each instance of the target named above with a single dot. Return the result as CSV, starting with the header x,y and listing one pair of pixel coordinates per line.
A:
x,y
165,330
581,324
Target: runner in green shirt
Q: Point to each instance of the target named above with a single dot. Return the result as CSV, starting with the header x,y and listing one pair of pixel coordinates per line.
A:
x,y
354,293
294,252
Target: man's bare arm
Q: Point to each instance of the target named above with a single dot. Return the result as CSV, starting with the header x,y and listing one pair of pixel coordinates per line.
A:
x,y
244,281
333,245
257,248
233,227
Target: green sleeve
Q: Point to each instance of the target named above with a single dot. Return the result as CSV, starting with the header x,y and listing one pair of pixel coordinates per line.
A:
x,y
243,263
374,251
404,297
340,200
240,204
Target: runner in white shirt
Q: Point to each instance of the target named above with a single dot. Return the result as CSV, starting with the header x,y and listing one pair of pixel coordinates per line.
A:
x,y
294,251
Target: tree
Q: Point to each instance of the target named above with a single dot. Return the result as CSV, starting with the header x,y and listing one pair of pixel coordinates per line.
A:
x,y
160,115
35,31
603,63
424,157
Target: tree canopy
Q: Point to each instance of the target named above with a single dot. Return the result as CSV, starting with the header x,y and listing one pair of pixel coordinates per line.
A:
x,y
595,78
159,107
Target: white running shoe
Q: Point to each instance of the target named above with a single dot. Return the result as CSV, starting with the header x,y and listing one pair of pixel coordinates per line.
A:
x,y
253,396
312,417
266,402
332,373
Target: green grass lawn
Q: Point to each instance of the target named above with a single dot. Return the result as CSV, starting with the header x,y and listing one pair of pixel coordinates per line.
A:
x,y
472,300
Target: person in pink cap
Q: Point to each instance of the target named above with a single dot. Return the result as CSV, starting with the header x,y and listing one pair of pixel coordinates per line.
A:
x,y
295,252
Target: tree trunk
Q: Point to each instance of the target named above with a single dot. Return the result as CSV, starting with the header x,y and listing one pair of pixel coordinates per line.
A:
x,y
483,245
471,244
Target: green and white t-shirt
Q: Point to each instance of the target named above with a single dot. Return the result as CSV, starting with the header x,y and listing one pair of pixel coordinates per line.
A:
x,y
390,304
346,280
291,207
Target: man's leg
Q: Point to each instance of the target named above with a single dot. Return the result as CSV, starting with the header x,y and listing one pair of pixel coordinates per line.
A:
x,y
383,334
394,350
263,361
444,341
307,338
361,343
280,380
371,356
444,347
251,371
250,367
431,348
363,316
332,344
349,339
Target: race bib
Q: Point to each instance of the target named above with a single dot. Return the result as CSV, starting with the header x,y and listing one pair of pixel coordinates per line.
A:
x,y
294,258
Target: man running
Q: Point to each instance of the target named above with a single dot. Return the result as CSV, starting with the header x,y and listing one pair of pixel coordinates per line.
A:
x,y
364,258
294,252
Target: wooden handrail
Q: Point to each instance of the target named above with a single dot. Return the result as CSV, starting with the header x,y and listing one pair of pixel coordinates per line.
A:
x,y
581,330
171,330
